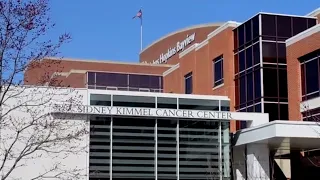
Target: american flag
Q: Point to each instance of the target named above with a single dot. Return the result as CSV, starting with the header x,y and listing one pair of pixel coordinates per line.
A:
x,y
139,14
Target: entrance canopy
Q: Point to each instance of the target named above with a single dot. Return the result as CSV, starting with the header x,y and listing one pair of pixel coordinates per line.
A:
x,y
282,135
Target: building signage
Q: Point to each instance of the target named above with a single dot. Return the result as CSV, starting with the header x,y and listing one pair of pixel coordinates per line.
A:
x,y
149,112
180,45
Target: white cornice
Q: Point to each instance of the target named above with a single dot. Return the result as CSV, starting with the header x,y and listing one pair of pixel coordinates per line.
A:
x,y
303,35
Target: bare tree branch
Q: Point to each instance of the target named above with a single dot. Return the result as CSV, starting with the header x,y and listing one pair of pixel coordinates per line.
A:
x,y
27,131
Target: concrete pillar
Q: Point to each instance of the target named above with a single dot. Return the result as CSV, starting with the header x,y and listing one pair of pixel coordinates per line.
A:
x,y
239,163
258,166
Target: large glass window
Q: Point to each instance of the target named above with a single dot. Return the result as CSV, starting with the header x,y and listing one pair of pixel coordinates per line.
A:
x,y
275,84
188,83
268,26
299,24
284,26
273,52
311,115
218,71
280,28
248,88
310,75
126,82
276,111
241,35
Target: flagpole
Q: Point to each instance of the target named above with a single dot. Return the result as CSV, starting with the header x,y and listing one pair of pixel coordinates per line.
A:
x,y
141,32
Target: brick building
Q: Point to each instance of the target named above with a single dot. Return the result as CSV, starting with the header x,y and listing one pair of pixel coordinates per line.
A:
x,y
269,63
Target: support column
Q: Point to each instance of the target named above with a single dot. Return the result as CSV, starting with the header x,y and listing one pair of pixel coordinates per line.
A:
x,y
156,149
258,162
111,138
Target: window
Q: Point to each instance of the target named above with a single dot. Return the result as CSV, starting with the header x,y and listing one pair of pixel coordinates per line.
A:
x,y
280,28
248,31
268,26
276,111
311,115
218,71
284,26
310,73
255,28
188,83
256,54
248,88
241,35
275,84
299,24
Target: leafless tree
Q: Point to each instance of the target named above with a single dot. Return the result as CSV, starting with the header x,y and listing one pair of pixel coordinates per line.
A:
x,y
34,143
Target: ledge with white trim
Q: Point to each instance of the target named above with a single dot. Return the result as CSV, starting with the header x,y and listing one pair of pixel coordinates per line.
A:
x,y
285,135
303,35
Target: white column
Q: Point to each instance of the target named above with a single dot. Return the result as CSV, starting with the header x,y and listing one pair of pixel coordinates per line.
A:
x,y
220,152
226,150
239,162
111,132
258,162
156,150
177,154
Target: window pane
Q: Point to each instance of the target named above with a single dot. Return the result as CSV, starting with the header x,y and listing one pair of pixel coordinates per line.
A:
x,y
284,112
269,52
242,61
250,109
273,110
249,87
282,53
161,82
167,103
255,26
111,79
248,57
217,71
154,82
303,76
299,25
312,76
242,90
241,35
268,26
248,31
235,34
188,83
256,53
237,95
257,84
236,63
270,82
284,26
311,22
283,87
91,78
257,108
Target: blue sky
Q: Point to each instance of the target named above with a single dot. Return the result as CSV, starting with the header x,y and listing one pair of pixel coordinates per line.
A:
x,y
104,30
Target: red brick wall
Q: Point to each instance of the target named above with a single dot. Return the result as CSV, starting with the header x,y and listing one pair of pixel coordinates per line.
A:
x,y
153,52
41,73
200,63
295,51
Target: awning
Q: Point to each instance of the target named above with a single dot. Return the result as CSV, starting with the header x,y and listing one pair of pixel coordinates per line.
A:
x,y
282,135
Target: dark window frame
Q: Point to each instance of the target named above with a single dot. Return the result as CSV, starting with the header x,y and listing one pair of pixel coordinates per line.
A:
x,y
187,77
310,57
256,76
277,97
218,61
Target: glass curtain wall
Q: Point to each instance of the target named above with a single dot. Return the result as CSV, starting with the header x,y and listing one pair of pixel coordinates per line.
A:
x,y
124,81
163,148
260,62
